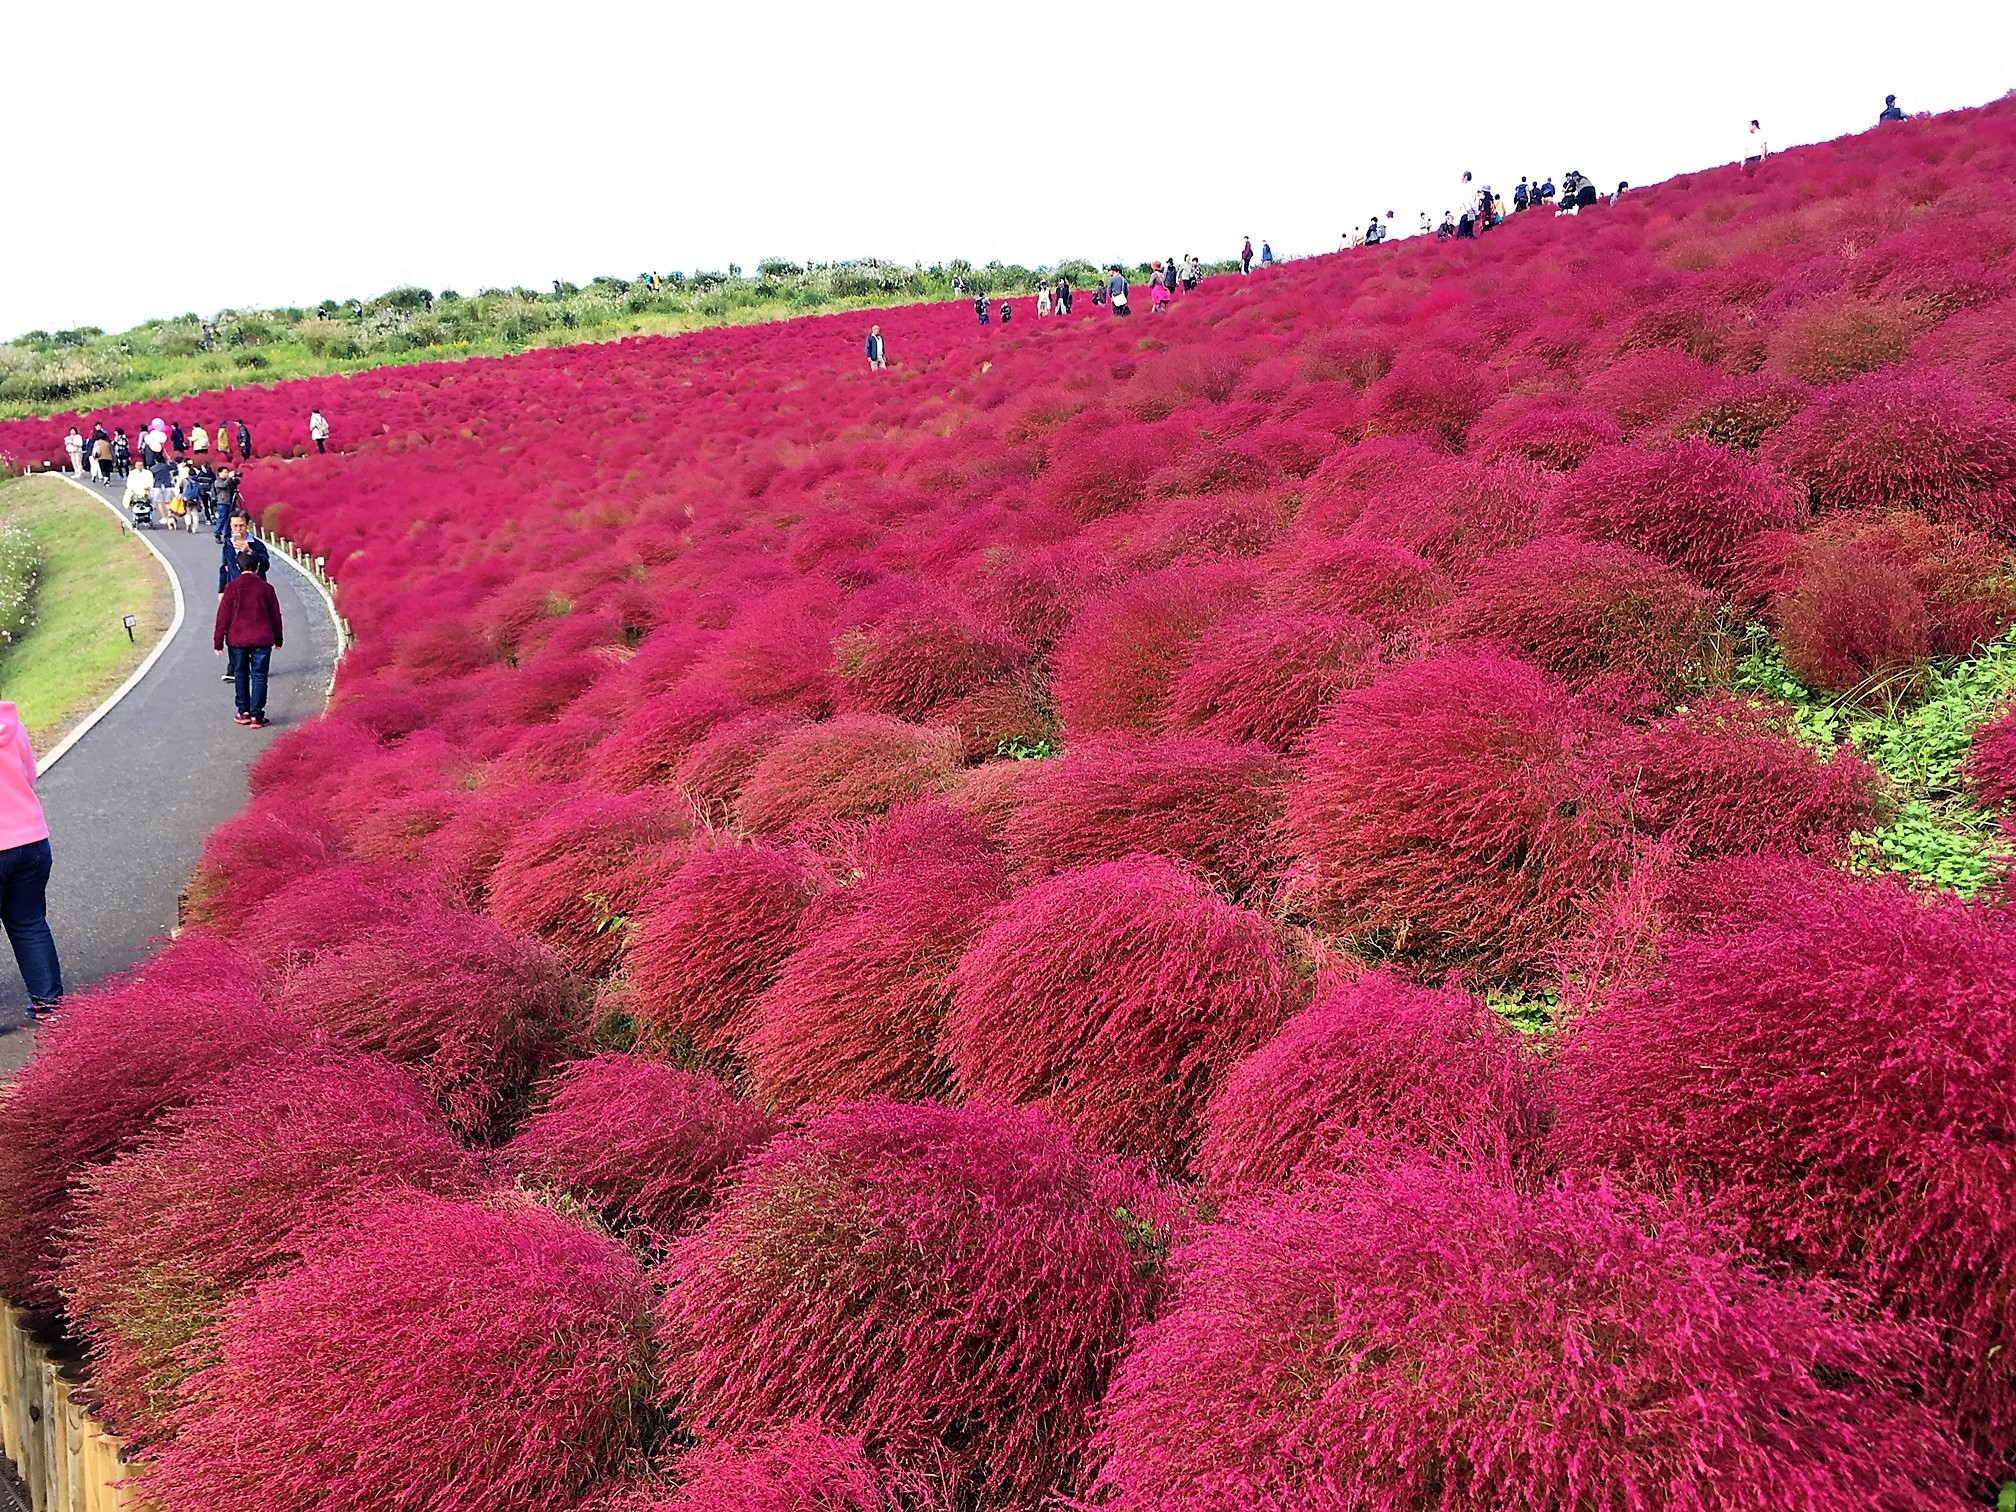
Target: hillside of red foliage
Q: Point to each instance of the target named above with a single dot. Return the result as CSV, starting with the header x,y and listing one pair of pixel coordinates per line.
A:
x,y
944,861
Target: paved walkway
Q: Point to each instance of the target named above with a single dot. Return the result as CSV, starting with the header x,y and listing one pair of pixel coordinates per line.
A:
x,y
129,805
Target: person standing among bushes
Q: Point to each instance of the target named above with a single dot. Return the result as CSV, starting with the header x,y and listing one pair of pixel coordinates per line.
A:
x,y
222,438
176,439
248,621
1246,256
1755,148
24,868
1890,110
318,428
876,360
1116,291
1063,295
1043,299
980,308
199,439
244,441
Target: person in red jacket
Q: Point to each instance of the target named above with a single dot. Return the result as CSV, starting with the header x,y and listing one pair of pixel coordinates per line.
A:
x,y
248,621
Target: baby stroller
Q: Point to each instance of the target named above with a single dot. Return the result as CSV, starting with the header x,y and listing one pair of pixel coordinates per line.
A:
x,y
140,498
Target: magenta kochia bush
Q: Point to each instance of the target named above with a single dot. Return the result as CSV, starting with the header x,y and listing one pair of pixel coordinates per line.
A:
x,y
1445,811
1118,994
710,942
855,1010
1199,800
116,1060
218,1196
799,1467
1265,677
1833,1081
1428,1337
434,1353
477,1011
850,768
327,907
254,855
575,875
1689,503
1991,764
1375,1071
952,1284
639,1141
1113,670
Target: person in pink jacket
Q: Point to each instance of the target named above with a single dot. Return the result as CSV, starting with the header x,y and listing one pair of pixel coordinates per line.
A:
x,y
24,868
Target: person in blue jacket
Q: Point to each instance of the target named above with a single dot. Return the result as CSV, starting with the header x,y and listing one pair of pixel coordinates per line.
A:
x,y
876,357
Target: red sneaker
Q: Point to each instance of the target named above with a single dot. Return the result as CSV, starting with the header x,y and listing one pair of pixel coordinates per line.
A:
x,y
244,719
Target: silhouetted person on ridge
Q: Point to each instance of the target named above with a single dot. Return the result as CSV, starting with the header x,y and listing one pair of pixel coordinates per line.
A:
x,y
1246,256
1890,110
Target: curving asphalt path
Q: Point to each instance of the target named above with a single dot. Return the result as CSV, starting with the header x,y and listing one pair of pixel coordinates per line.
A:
x,y
130,803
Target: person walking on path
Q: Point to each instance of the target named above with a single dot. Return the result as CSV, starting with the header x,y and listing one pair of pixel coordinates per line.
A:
x,y
24,868
1890,110
73,443
101,455
1246,256
1116,291
122,452
876,358
248,621
318,427
244,441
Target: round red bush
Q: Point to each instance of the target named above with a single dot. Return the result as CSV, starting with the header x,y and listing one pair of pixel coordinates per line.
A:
x,y
851,768
1113,669
250,857
854,1012
1265,677
1852,619
433,1354
1916,438
1831,1080
218,1197
1549,429
713,771
799,1467
327,907
1374,1072
641,1143
1118,994
1599,615
1991,762
1443,812
711,940
1455,511
647,747
1388,586
917,660
905,1272
475,1010
1689,503
1432,391
1640,389
576,874
112,1063
1187,796
1428,1337
464,849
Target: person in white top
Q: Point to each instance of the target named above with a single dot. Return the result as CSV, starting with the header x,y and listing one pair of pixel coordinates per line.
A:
x,y
74,445
1755,148
1042,299
318,430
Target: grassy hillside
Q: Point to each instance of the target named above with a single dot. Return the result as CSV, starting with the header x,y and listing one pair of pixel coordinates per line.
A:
x,y
44,370
93,575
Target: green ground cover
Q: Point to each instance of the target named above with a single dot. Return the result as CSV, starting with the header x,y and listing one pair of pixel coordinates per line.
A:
x,y
44,371
94,573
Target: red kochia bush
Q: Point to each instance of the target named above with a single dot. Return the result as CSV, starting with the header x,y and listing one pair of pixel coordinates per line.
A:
x,y
576,872
113,1062
1199,800
1915,438
1833,1081
254,855
218,1197
1431,1338
850,768
799,1467
854,1012
1689,503
327,907
918,659
1991,764
463,851
1434,391
475,1010
1599,615
712,940
1853,617
437,1353
1389,586
1113,669
649,745
1443,808
905,1272
1265,677
1728,776
1118,994
639,1141
1374,1071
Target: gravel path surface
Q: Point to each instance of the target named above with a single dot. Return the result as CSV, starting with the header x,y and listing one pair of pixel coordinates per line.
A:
x,y
130,804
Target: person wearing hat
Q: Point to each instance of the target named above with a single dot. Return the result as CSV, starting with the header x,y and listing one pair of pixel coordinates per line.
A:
x,y
1890,110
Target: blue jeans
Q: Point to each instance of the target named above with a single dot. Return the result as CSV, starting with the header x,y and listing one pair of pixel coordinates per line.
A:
x,y
24,883
250,664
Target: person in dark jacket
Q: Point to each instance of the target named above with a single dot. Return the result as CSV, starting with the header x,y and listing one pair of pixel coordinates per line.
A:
x,y
980,307
1890,110
175,439
242,543
876,351
1063,295
244,440
122,452
248,621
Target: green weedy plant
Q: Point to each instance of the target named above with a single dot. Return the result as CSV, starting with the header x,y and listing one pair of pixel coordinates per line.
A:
x,y
1916,728
20,574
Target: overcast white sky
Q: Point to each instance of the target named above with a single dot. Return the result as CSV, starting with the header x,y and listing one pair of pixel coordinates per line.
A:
x,y
290,153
